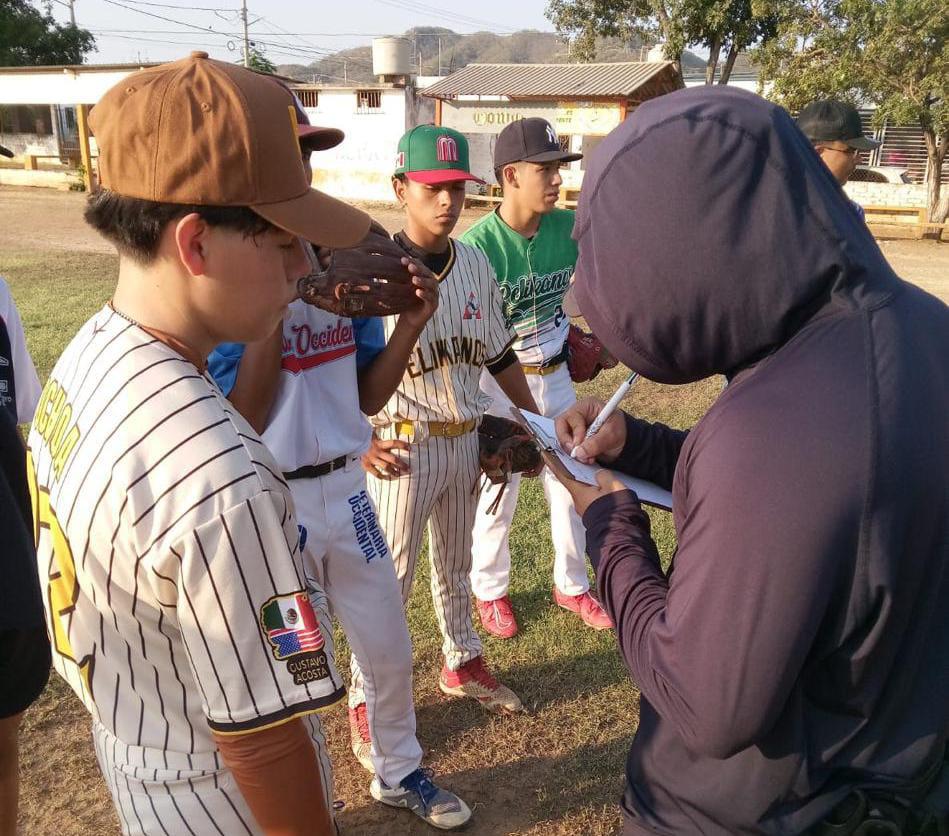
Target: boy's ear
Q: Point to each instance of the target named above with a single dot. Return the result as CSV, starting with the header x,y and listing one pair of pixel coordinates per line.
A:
x,y
191,239
509,173
398,186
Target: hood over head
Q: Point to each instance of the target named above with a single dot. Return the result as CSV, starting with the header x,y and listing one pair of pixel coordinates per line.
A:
x,y
710,232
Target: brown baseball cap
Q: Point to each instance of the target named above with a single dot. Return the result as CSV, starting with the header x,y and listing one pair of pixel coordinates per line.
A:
x,y
209,133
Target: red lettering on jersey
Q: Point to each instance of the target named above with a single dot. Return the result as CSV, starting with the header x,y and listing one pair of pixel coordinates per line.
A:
x,y
307,349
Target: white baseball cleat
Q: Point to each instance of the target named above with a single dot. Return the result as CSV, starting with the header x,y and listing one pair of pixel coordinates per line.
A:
x,y
420,794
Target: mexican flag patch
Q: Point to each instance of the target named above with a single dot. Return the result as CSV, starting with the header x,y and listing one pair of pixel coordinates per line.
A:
x,y
291,625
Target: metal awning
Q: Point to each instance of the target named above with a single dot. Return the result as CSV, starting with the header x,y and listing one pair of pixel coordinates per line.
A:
x,y
558,81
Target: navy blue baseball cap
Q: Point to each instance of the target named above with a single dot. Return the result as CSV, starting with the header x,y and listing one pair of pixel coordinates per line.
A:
x,y
530,140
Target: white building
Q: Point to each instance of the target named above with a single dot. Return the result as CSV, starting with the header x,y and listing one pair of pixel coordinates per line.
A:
x,y
373,117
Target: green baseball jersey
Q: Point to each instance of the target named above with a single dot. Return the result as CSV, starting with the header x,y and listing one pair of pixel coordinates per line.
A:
x,y
534,274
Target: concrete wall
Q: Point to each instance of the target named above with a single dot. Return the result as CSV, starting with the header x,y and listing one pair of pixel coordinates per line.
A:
x,y
42,145
61,180
361,167
887,194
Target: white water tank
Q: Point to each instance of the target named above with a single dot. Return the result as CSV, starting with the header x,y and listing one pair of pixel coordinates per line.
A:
x,y
391,57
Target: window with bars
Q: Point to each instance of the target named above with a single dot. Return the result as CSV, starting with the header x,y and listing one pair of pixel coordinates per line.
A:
x,y
902,147
26,119
368,101
309,98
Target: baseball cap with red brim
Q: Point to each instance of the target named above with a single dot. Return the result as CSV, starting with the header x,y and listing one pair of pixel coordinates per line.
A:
x,y
311,137
432,154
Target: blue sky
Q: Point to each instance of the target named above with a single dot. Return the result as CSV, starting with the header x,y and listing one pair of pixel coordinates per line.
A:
x,y
290,31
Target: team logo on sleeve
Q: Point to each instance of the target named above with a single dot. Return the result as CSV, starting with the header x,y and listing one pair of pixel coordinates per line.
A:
x,y
472,308
293,630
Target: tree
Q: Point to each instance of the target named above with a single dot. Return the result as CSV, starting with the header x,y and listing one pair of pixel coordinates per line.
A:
x,y
256,60
29,38
582,21
725,27
729,25
891,53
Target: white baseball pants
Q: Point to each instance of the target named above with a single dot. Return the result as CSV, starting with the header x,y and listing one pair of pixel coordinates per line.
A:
x,y
346,554
437,493
491,553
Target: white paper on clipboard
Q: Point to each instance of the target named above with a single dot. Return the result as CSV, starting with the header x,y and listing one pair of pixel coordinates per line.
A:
x,y
646,491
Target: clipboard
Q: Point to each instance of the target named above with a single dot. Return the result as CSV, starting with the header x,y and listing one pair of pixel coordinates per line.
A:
x,y
565,469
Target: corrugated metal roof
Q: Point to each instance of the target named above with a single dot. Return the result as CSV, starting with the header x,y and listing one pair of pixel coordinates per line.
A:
x,y
566,80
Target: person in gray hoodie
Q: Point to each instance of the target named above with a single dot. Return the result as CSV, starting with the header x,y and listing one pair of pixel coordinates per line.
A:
x,y
794,661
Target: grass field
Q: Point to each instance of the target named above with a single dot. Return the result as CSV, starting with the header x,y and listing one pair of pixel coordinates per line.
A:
x,y
555,770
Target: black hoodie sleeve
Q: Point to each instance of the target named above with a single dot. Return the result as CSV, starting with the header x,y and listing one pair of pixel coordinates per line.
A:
x,y
716,646
651,452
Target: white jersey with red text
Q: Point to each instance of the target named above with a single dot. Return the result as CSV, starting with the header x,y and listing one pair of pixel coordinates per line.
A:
x,y
168,548
315,416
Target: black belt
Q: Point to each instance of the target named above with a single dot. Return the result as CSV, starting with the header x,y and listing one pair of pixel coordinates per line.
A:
x,y
314,471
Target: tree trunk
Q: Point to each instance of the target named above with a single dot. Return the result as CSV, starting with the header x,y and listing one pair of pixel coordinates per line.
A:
x,y
714,50
935,156
729,64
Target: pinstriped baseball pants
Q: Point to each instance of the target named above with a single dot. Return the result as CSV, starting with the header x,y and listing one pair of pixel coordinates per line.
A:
x,y
437,493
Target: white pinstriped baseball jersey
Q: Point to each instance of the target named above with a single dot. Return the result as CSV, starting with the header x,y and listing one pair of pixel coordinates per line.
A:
x,y
167,546
469,330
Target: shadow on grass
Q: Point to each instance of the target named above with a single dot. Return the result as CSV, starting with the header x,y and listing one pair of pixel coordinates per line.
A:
x,y
544,687
532,794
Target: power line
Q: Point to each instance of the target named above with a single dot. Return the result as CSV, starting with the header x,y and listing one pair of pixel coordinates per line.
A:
x,y
180,8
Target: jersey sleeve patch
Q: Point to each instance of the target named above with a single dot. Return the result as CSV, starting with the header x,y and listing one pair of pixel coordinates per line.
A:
x,y
293,631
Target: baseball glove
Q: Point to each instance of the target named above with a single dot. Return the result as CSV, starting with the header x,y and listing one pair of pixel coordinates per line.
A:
x,y
366,280
586,355
504,448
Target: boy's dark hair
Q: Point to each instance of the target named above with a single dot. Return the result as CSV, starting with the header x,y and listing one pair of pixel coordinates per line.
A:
x,y
135,225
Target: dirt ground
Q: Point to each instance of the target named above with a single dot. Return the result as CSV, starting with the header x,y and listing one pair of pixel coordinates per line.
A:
x,y
533,775
43,218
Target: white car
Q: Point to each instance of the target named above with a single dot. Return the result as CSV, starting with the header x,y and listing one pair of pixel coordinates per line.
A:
x,y
880,174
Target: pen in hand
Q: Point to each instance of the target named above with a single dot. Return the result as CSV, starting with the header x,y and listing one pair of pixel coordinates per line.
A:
x,y
607,411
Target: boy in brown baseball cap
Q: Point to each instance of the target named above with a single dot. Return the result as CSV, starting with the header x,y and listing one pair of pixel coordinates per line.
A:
x,y
167,541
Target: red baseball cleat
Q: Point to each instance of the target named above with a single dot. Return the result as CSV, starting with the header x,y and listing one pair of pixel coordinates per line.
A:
x,y
359,740
587,607
497,617
473,679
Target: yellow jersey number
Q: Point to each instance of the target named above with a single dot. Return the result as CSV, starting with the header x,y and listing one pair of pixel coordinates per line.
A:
x,y
62,588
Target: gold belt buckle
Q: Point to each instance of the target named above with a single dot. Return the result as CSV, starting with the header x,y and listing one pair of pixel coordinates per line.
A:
x,y
541,370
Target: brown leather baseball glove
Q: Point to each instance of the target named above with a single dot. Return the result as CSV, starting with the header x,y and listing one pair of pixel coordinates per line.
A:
x,y
504,448
586,355
366,280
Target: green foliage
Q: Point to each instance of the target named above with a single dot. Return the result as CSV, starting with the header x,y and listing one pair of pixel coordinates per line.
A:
x,y
583,21
732,25
29,38
256,60
891,53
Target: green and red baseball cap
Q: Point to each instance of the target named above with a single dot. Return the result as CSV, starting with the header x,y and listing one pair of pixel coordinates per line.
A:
x,y
432,154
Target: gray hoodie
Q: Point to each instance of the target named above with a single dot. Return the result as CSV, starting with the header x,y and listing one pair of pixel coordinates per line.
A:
x,y
799,647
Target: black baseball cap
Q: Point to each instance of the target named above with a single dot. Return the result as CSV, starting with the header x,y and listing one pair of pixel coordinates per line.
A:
x,y
530,140
833,121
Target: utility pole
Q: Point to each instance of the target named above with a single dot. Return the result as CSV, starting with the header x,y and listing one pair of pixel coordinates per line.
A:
x,y
72,14
246,36
439,55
